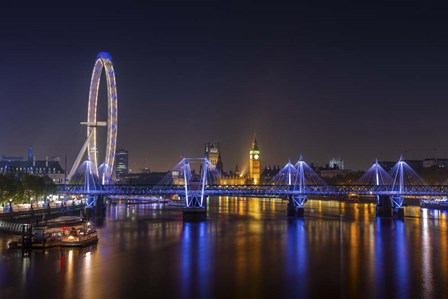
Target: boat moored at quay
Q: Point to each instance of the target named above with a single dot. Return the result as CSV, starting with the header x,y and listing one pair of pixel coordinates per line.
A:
x,y
65,231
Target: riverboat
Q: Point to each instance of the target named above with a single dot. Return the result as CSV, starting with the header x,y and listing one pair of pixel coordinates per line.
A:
x,y
176,203
79,236
66,231
42,238
435,203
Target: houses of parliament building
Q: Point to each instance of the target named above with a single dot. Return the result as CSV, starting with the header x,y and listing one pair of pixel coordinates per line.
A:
x,y
213,154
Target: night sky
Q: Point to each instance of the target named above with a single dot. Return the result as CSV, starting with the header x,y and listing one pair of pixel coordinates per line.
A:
x,y
355,80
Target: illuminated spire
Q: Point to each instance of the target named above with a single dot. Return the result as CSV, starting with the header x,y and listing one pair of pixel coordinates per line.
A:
x,y
254,144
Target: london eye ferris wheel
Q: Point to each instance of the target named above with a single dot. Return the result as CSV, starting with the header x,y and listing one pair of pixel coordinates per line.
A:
x,y
105,171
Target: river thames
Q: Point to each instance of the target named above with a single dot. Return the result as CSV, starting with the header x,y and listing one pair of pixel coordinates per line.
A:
x,y
247,248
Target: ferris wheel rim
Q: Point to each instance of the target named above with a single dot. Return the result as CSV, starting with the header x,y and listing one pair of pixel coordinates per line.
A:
x,y
103,62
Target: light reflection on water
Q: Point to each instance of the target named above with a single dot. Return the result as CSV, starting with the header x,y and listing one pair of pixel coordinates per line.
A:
x,y
246,249
296,252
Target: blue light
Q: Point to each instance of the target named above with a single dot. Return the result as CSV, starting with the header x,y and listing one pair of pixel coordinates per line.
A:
x,y
104,55
401,259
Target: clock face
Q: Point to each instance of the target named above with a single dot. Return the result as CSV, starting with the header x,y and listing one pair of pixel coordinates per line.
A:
x,y
256,157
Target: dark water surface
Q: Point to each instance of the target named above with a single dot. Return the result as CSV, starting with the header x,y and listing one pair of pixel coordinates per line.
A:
x,y
246,249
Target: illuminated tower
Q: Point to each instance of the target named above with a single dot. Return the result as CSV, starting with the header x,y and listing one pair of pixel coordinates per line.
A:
x,y
121,163
212,152
254,162
30,154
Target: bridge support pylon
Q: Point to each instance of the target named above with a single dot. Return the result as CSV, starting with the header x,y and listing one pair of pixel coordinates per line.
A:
x,y
397,206
100,205
389,206
195,198
296,206
91,201
195,212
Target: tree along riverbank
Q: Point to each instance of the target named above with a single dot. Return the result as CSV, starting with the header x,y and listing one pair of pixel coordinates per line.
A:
x,y
25,188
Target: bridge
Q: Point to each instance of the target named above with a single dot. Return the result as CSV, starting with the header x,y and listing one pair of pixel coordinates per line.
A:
x,y
293,183
253,190
195,183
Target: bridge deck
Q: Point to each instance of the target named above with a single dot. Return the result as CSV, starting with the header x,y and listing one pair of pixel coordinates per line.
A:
x,y
257,190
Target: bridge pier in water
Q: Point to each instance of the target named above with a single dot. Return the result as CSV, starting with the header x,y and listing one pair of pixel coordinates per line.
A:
x,y
195,198
90,201
296,206
100,205
96,204
196,211
389,206
195,214
397,206
195,203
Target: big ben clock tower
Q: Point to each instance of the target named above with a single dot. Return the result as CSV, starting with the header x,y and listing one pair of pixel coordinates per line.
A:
x,y
254,162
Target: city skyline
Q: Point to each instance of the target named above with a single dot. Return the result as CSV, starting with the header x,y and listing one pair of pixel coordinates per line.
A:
x,y
223,149
304,81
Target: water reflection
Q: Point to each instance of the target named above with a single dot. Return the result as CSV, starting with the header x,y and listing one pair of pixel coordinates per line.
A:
x,y
426,259
297,258
401,260
246,249
195,260
379,260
